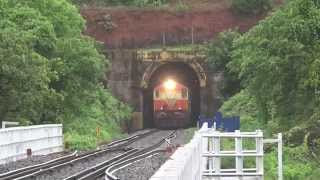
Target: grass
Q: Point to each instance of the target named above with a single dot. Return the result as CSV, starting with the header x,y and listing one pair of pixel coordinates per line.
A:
x,y
189,133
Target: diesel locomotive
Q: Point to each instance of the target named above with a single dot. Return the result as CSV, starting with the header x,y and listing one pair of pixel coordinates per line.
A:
x,y
171,102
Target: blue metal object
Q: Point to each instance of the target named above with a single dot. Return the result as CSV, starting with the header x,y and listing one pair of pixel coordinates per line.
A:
x,y
203,120
229,124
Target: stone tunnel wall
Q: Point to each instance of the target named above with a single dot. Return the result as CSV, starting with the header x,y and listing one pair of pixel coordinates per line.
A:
x,y
126,74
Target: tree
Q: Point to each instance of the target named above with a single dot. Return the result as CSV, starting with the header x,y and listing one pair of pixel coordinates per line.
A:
x,y
50,72
249,7
219,55
278,61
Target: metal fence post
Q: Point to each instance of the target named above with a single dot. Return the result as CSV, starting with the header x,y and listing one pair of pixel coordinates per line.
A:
x,y
239,158
280,173
217,159
259,151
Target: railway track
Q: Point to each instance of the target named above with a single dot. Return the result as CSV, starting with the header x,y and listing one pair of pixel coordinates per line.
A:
x,y
31,172
139,155
108,167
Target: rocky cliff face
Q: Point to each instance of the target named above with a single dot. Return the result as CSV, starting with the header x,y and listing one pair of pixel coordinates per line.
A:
x,y
137,28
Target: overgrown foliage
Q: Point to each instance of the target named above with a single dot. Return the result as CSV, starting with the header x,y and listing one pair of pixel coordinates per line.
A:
x,y
251,7
50,72
138,3
219,55
277,62
298,162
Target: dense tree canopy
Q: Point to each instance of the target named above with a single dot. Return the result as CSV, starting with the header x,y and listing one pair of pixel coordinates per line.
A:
x,y
49,71
251,7
219,55
278,61
278,64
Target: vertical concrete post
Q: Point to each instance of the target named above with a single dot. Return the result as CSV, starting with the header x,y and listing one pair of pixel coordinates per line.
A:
x,y
239,158
217,159
280,173
164,39
192,34
259,152
203,146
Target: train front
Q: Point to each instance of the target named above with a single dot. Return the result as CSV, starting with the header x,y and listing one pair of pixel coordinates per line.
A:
x,y
171,105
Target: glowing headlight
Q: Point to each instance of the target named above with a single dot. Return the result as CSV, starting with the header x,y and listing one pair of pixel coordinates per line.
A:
x,y
170,84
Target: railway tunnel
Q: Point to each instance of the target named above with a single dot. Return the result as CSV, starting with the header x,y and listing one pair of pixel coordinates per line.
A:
x,y
134,74
183,74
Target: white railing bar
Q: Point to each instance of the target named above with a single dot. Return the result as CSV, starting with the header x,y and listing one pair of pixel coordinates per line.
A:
x,y
232,170
231,155
233,152
232,174
232,136
249,151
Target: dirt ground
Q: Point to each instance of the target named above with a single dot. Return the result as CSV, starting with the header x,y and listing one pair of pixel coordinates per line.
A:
x,y
145,27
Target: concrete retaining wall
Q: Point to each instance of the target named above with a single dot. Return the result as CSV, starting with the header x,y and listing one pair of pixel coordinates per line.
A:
x,y
184,164
41,139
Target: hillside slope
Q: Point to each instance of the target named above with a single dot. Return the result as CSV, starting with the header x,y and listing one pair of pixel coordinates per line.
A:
x,y
142,27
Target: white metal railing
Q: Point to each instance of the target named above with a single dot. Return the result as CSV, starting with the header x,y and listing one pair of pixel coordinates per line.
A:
x,y
201,159
212,155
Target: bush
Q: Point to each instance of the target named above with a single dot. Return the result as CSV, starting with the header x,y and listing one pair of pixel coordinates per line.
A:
x,y
106,113
297,164
219,55
251,6
182,7
243,105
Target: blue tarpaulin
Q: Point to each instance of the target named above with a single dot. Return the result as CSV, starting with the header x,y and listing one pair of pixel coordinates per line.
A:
x,y
227,124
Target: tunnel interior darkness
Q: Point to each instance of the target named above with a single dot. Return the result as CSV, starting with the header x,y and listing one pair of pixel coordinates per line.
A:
x,y
181,73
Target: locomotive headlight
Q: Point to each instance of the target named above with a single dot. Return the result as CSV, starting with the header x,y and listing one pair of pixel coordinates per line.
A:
x,y
170,84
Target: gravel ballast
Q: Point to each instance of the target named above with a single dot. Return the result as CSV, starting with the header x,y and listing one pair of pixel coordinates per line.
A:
x,y
30,161
141,170
144,169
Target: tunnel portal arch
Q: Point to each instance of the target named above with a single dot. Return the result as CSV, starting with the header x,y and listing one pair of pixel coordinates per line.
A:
x,y
195,66
189,74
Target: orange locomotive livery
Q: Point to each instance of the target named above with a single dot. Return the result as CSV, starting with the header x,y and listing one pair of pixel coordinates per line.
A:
x,y
171,105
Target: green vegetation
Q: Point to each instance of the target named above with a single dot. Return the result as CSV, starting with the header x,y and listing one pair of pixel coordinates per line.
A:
x,y
182,7
219,55
250,7
277,63
51,73
189,133
138,3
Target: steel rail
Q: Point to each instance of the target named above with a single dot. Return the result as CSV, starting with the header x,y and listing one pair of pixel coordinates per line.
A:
x,y
135,157
100,165
99,170
113,143
132,139
32,171
117,167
